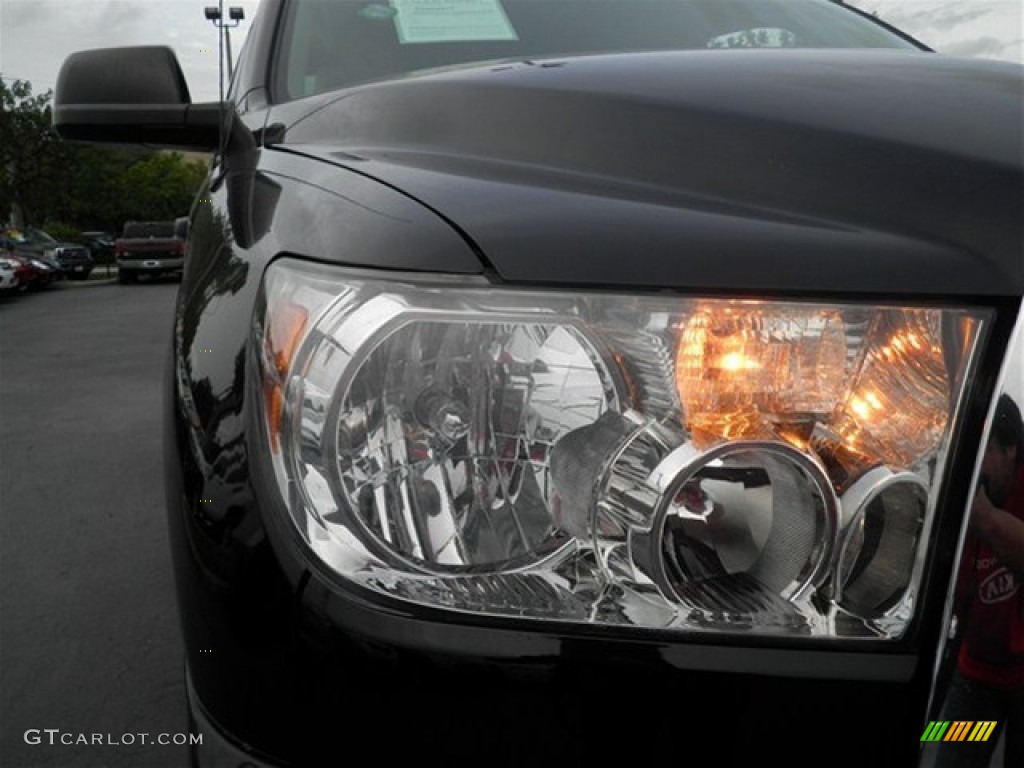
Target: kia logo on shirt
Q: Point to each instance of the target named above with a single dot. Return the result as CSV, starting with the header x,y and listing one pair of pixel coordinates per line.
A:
x,y
998,586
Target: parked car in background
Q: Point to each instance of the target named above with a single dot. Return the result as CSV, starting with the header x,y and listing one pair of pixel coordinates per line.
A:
x,y
100,245
75,260
35,240
9,280
12,241
55,255
151,248
31,240
581,382
50,263
49,271
33,274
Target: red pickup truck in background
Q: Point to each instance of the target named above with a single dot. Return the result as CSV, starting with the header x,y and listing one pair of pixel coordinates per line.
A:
x,y
151,248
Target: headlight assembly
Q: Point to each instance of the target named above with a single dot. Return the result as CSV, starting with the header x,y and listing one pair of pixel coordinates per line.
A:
x,y
666,462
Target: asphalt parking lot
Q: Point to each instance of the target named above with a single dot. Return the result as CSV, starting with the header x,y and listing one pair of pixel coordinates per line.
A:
x,y
89,641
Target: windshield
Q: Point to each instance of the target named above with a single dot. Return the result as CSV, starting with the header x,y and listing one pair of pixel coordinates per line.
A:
x,y
332,44
29,236
38,236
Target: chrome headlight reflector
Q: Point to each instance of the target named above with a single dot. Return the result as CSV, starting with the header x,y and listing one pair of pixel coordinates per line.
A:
x,y
669,462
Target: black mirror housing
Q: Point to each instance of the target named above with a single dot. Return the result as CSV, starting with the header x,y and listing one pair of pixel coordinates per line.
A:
x,y
135,95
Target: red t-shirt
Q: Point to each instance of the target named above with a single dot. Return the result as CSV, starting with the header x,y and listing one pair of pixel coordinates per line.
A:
x,y
992,651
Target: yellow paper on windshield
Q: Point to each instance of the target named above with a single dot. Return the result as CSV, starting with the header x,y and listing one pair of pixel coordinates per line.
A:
x,y
451,21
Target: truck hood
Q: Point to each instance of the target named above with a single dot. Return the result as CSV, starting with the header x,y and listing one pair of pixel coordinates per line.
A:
x,y
820,171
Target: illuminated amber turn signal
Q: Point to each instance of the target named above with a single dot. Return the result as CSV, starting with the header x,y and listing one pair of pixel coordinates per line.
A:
x,y
753,371
281,341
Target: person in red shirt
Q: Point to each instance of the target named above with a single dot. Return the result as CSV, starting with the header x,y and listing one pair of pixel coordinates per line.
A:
x,y
989,681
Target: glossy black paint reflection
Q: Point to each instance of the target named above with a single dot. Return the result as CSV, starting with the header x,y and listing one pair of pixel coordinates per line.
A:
x,y
758,171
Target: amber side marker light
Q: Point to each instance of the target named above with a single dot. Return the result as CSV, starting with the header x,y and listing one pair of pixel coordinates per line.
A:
x,y
280,342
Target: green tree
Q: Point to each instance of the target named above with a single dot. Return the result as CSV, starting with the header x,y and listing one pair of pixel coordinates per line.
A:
x,y
161,186
93,185
30,152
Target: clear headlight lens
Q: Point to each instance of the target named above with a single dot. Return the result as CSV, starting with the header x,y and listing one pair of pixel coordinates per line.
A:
x,y
669,462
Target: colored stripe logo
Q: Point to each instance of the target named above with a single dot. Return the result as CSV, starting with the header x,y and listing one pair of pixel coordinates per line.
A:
x,y
958,730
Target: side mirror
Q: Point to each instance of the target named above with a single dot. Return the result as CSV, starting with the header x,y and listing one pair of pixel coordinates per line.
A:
x,y
133,95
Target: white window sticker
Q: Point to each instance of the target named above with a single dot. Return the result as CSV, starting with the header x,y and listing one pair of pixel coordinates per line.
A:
x,y
451,21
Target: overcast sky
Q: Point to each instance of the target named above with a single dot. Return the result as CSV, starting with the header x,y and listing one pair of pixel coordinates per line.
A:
x,y
36,35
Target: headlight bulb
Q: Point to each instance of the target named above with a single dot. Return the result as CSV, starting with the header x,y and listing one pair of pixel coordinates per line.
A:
x,y
744,371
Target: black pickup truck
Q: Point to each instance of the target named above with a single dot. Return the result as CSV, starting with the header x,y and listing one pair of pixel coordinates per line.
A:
x,y
151,248
594,382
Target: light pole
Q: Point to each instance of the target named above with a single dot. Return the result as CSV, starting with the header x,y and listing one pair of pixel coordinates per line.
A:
x,y
215,14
